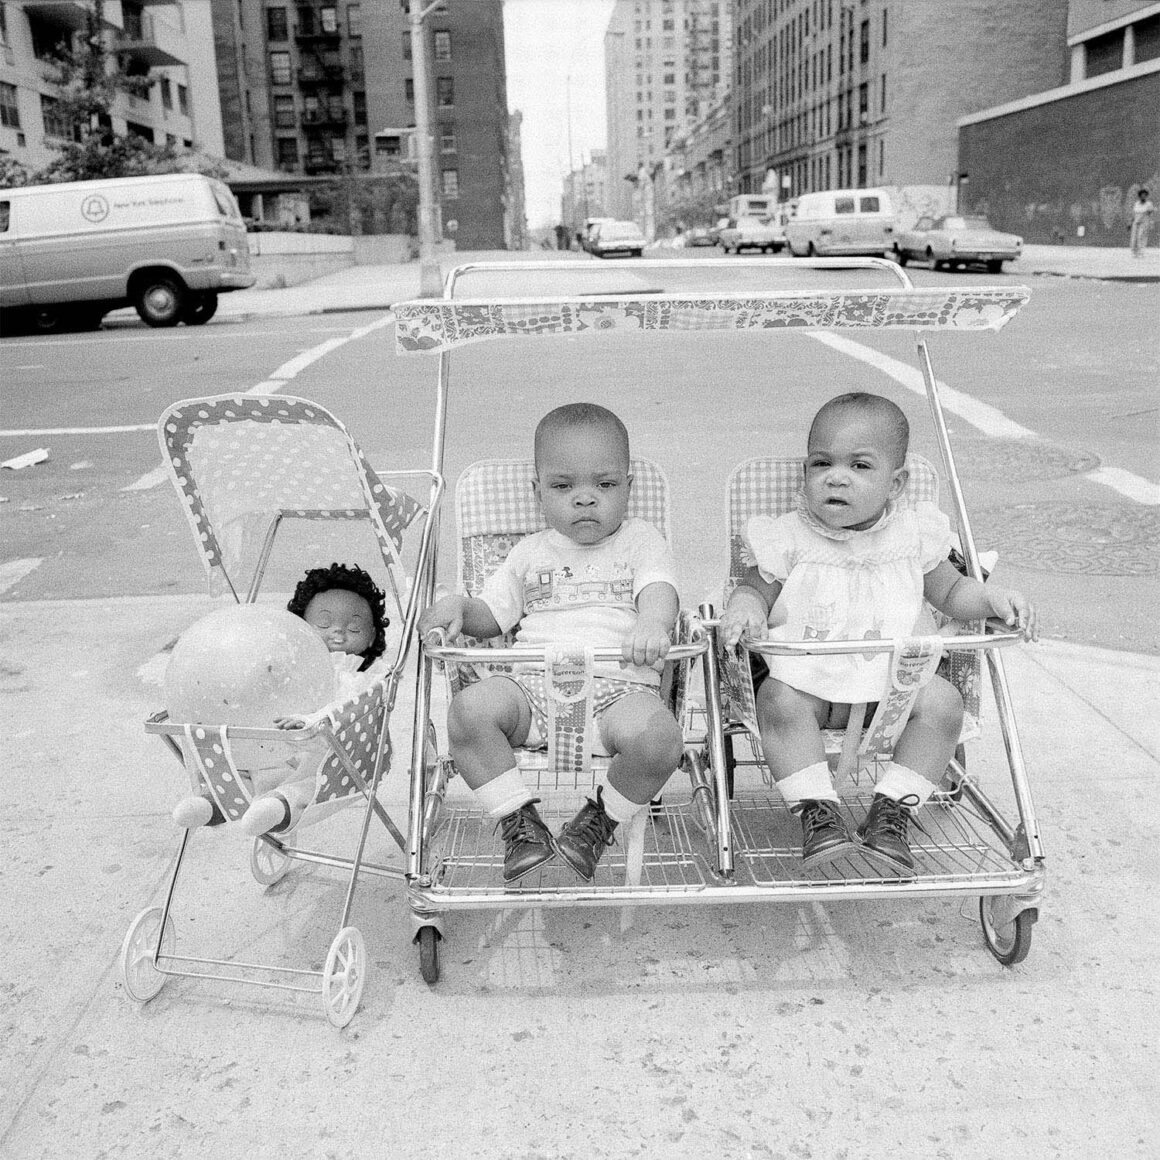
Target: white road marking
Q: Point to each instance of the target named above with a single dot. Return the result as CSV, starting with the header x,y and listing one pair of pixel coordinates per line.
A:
x,y
277,381
33,432
13,571
990,420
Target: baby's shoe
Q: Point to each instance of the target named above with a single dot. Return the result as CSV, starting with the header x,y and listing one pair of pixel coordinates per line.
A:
x,y
583,839
527,841
195,810
825,836
266,813
883,833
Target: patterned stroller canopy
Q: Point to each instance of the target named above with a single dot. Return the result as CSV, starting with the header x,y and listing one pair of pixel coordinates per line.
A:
x,y
437,325
237,461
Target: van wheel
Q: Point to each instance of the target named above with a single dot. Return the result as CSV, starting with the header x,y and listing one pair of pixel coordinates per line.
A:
x,y
47,319
160,301
200,308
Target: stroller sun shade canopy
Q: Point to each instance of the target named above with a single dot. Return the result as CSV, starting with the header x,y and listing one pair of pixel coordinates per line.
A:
x,y
436,325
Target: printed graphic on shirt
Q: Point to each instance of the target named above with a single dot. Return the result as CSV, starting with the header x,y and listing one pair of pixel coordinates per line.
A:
x,y
549,589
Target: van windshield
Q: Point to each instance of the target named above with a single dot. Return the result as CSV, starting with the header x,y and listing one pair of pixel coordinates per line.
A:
x,y
225,204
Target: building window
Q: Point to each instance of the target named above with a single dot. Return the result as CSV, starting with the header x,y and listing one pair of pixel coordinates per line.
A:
x,y
328,19
54,124
135,129
885,14
360,108
280,68
277,26
861,166
183,99
9,109
863,102
338,149
409,91
882,94
1147,36
442,44
166,87
357,65
3,25
669,79
864,42
407,45
284,117
670,114
446,138
881,158
354,19
445,92
287,152
450,182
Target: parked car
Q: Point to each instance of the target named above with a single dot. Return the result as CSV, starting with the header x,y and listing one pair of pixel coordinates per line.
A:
x,y
751,233
840,222
700,236
617,238
168,245
591,225
957,241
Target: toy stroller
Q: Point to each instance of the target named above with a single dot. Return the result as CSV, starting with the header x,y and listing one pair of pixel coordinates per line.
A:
x,y
245,468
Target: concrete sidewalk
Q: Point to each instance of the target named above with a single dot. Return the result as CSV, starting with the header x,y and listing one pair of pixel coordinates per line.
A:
x,y
852,1029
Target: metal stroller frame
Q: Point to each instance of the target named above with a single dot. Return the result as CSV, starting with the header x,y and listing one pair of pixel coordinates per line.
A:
x,y
355,732
1008,868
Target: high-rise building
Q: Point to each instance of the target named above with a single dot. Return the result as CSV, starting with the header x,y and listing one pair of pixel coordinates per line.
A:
x,y
666,62
840,93
324,87
170,42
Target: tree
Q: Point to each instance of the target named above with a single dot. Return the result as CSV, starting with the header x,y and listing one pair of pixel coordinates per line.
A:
x,y
89,74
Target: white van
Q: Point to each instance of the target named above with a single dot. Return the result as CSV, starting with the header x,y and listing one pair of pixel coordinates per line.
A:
x,y
841,221
168,245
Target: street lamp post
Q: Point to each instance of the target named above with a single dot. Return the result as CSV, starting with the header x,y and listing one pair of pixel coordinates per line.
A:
x,y
430,277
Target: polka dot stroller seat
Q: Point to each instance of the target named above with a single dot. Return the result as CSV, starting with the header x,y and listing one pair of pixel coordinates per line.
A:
x,y
270,483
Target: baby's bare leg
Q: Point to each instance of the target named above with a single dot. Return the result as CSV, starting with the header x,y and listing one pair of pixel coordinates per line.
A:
x,y
646,745
484,721
929,739
790,722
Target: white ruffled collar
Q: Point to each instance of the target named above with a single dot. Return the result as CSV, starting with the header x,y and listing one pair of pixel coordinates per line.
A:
x,y
814,524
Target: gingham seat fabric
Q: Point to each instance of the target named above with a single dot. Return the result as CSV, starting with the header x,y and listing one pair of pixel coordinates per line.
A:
x,y
238,460
769,486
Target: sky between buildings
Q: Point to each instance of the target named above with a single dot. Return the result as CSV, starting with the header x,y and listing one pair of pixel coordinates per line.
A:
x,y
546,43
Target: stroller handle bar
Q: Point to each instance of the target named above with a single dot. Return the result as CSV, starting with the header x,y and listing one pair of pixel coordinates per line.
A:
x,y
999,635
522,654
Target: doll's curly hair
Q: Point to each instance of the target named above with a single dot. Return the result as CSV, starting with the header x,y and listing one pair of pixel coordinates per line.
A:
x,y
349,578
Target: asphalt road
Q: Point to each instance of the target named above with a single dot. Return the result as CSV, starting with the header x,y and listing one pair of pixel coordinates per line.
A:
x,y
1067,388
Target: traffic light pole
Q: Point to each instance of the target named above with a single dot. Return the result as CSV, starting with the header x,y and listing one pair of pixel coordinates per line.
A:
x,y
430,277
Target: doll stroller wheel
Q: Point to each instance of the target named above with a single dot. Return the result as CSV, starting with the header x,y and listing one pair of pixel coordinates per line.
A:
x,y
141,977
267,863
428,939
1008,936
344,976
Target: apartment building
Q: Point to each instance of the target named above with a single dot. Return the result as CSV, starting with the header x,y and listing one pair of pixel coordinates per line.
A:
x,y
666,62
585,193
1065,165
838,93
326,87
170,41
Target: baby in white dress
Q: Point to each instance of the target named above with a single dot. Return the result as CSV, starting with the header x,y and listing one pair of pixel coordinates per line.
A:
x,y
851,564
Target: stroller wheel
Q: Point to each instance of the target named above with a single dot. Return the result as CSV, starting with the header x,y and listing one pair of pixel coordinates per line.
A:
x,y
1007,935
267,863
428,939
141,977
344,976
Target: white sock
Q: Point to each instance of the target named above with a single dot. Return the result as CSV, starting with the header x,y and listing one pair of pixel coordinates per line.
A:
x,y
619,808
264,814
504,794
192,812
904,785
813,783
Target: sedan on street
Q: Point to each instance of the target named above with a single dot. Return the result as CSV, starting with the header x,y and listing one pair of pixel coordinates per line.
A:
x,y
751,233
957,241
617,238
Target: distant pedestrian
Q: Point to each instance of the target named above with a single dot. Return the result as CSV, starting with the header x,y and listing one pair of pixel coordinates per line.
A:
x,y
1143,214
561,237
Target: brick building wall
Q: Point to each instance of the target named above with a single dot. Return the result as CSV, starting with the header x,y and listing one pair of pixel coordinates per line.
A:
x,y
948,60
1068,164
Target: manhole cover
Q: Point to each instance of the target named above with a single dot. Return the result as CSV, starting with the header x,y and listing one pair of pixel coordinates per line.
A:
x,y
1090,539
1018,459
